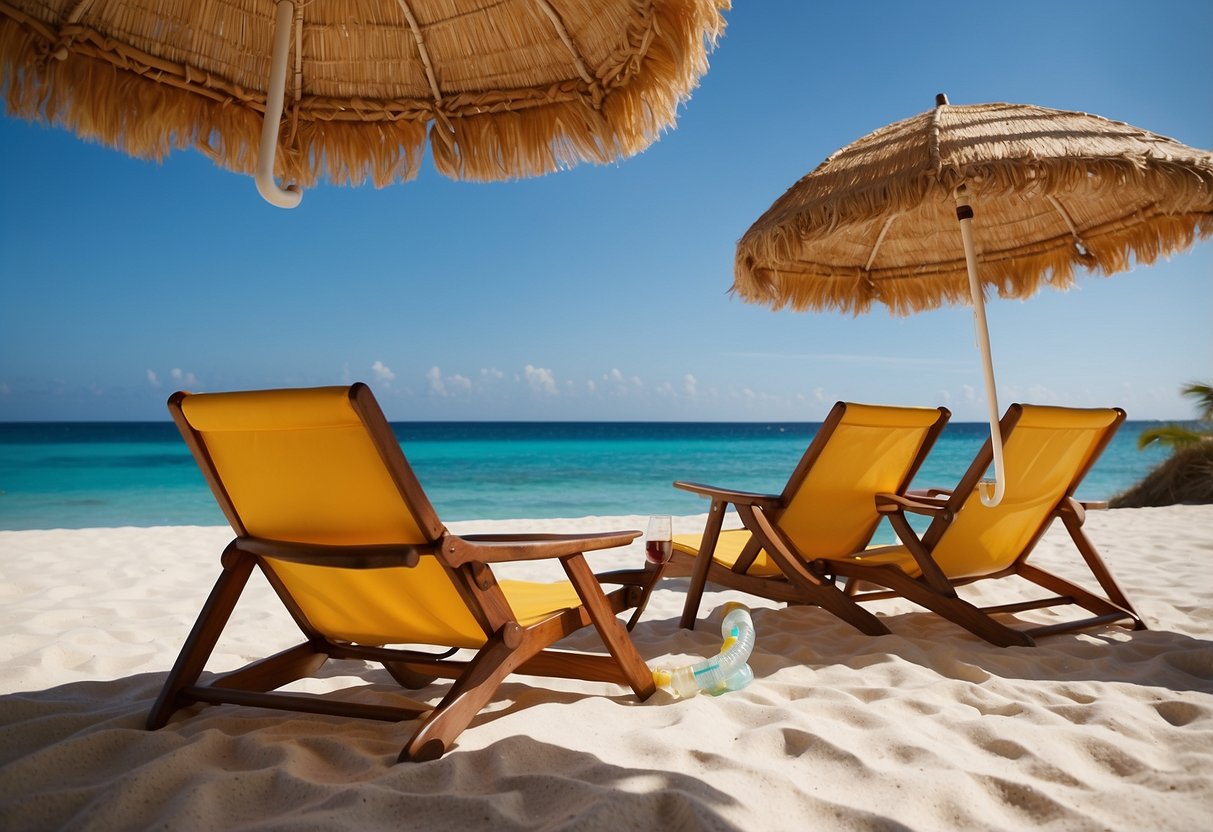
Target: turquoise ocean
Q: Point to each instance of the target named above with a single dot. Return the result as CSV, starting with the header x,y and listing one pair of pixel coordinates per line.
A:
x,y
84,474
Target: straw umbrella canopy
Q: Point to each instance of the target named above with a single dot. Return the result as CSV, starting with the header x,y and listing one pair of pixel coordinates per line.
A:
x,y
959,201
349,90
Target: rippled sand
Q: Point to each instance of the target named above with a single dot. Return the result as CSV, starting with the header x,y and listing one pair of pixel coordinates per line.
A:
x,y
927,728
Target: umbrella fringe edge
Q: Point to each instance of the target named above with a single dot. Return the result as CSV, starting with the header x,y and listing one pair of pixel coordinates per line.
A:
x,y
641,89
804,286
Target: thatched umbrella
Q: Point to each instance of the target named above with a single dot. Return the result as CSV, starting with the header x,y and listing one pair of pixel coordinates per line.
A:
x,y
503,88
1037,193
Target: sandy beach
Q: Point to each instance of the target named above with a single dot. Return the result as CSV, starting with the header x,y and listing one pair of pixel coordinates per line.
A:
x,y
928,728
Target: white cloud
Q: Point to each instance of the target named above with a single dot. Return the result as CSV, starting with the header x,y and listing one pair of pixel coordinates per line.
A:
x,y
184,378
969,392
590,385
491,374
541,380
382,373
664,389
621,384
449,386
819,394
153,379
690,385
434,377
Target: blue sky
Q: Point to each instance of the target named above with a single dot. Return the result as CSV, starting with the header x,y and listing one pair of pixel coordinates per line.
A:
x,y
602,292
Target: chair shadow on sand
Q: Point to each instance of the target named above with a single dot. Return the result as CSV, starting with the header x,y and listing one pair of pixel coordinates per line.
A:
x,y
79,754
1170,660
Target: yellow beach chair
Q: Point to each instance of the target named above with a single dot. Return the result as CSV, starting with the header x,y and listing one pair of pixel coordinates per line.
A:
x,y
323,502
1048,451
827,509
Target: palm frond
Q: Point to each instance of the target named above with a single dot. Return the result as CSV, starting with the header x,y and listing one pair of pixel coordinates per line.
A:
x,y
1203,393
1170,436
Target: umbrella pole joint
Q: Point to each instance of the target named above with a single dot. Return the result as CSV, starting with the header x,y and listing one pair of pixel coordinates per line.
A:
x,y
267,152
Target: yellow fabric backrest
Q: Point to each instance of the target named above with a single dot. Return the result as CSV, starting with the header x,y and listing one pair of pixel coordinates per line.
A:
x,y
833,512
300,466
1047,450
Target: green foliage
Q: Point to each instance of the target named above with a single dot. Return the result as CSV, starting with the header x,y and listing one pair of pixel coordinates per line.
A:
x,y
1170,436
1177,437
1203,393
1185,477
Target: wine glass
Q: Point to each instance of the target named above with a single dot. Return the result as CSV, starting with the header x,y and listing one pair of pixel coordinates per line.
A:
x,y
659,541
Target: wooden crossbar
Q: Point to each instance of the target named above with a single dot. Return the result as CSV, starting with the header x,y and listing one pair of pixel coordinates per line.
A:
x,y
304,703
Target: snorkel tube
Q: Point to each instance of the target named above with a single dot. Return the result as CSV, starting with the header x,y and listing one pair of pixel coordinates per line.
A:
x,y
723,672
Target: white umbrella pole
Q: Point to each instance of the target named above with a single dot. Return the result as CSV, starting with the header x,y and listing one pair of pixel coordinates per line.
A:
x,y
964,213
268,150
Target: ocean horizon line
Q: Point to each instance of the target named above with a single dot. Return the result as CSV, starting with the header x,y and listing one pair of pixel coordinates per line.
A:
x,y
169,422
103,474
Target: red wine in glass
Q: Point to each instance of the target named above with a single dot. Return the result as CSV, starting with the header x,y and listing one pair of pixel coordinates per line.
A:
x,y
658,543
658,552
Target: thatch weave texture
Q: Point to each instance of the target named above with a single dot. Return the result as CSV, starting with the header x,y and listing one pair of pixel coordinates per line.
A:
x,y
501,88
1051,190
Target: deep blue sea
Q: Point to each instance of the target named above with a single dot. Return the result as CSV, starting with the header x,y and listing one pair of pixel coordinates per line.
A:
x,y
84,474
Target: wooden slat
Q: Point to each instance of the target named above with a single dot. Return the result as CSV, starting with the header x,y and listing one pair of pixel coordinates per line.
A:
x,y
1080,624
275,671
1022,606
303,703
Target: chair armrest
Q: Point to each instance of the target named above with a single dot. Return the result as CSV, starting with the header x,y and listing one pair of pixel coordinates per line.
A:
x,y
500,548
929,493
728,495
887,503
628,577
380,556
1079,508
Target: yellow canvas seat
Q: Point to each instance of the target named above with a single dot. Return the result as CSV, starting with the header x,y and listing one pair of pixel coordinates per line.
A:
x,y
827,508
729,549
324,503
1047,452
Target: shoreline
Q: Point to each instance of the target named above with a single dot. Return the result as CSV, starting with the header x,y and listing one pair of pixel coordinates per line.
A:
x,y
926,728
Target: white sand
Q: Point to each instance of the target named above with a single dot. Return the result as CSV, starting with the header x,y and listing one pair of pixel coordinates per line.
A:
x,y
929,728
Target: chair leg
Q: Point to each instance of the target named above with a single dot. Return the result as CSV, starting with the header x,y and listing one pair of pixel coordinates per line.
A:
x,y
468,694
699,577
812,587
836,602
953,608
643,592
1098,568
237,566
612,632
1087,600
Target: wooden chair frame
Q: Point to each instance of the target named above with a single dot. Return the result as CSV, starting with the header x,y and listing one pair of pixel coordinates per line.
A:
x,y
935,591
509,647
759,513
